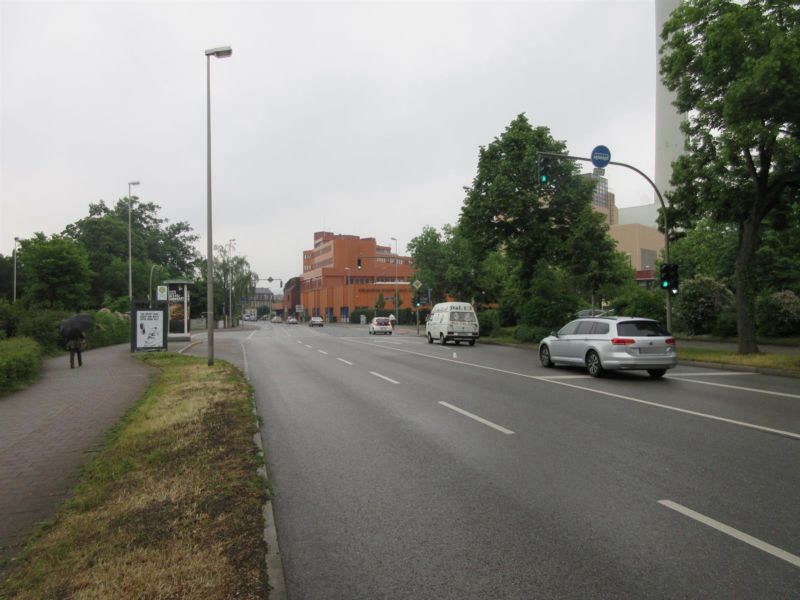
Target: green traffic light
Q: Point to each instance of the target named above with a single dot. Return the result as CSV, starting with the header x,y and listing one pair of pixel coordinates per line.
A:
x,y
665,284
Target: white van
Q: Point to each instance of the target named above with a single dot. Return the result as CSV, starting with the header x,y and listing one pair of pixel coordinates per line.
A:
x,y
455,321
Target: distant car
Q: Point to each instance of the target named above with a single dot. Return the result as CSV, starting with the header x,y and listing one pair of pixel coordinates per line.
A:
x,y
316,322
610,343
277,319
249,318
291,321
380,325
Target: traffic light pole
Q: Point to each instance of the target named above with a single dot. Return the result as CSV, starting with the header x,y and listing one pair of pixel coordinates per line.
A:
x,y
660,199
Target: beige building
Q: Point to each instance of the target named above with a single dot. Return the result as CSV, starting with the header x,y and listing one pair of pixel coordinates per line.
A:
x,y
642,245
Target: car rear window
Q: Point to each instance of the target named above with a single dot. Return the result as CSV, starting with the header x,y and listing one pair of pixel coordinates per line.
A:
x,y
381,321
641,329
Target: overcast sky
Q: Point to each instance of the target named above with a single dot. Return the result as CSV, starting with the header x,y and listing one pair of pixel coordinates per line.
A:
x,y
360,118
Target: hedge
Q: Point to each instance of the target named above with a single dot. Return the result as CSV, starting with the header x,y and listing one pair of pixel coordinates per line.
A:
x,y
20,363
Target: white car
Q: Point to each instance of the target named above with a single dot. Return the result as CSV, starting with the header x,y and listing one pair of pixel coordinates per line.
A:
x,y
380,325
316,322
291,321
277,319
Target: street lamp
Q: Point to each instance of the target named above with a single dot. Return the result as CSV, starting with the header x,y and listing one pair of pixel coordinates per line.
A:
x,y
222,52
16,239
130,270
230,283
396,285
150,285
349,294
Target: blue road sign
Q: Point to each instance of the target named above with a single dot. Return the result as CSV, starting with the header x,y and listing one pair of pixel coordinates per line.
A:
x,y
601,156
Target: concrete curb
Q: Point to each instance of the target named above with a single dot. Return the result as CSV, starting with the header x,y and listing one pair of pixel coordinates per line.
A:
x,y
740,368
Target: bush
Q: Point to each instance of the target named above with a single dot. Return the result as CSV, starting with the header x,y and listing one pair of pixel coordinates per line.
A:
x,y
700,302
42,326
530,334
20,363
489,321
637,301
109,329
778,314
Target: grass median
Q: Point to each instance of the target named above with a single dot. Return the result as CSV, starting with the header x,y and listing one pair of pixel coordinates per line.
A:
x,y
783,362
171,505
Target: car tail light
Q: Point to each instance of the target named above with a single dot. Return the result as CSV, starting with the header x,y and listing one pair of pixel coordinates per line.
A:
x,y
670,341
622,341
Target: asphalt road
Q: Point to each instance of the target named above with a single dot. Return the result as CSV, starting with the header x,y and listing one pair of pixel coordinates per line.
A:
x,y
408,470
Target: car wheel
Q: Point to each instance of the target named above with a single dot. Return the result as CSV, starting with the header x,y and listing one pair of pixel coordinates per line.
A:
x,y
389,332
593,364
458,342
656,373
442,339
430,339
544,357
472,342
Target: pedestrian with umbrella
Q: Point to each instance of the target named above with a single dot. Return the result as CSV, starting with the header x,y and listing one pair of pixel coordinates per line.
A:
x,y
72,330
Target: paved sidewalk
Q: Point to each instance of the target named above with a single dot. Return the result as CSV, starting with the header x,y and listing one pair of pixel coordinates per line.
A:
x,y
50,430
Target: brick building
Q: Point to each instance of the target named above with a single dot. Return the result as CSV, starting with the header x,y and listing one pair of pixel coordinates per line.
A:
x,y
332,285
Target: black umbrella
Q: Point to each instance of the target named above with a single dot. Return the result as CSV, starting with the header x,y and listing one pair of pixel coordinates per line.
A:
x,y
73,326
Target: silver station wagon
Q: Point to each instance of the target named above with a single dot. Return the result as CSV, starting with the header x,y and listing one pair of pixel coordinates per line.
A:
x,y
611,343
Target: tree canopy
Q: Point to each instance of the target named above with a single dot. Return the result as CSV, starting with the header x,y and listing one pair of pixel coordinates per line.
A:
x,y
57,272
735,70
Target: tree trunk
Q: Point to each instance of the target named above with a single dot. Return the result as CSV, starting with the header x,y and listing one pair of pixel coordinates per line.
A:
x,y
745,320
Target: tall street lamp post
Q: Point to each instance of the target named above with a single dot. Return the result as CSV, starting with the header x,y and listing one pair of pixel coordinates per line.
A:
x,y
150,285
230,282
349,294
16,239
222,52
396,284
130,269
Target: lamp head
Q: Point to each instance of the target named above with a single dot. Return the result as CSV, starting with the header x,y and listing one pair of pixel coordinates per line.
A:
x,y
221,52
133,183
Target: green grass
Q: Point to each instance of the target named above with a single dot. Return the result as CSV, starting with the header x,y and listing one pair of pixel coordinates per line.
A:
x,y
787,362
169,508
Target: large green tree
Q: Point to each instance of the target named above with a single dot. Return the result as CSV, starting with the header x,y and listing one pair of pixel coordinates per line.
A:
x,y
154,241
735,70
57,272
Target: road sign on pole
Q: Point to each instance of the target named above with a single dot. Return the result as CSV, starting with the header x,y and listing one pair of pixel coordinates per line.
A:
x,y
417,284
601,156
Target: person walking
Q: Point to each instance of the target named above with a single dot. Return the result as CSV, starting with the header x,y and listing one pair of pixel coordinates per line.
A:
x,y
76,343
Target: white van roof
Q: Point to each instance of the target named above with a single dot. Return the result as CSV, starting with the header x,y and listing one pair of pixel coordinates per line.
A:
x,y
452,306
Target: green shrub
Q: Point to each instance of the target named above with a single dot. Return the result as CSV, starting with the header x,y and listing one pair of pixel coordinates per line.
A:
x,y
108,329
489,321
10,316
637,301
701,300
20,362
725,324
778,314
530,334
42,326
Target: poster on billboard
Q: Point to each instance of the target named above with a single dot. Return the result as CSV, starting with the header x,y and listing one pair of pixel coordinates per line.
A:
x,y
149,330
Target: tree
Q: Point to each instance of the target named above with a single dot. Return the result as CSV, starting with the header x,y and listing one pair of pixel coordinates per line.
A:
x,y
735,69
57,272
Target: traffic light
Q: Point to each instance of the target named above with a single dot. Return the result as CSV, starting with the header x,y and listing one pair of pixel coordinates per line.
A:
x,y
417,301
669,277
544,171
358,264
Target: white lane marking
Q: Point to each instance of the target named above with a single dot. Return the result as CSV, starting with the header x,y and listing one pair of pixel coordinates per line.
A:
x,y
739,535
384,377
737,387
789,434
455,355
347,362
682,410
565,377
299,341
308,346
680,375
322,351
477,418
252,334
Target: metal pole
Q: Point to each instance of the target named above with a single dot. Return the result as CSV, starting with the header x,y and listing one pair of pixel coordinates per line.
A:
x,y
230,283
210,266
16,239
130,270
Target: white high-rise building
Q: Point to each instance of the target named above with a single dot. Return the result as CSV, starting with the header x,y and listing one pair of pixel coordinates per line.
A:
x,y
669,138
